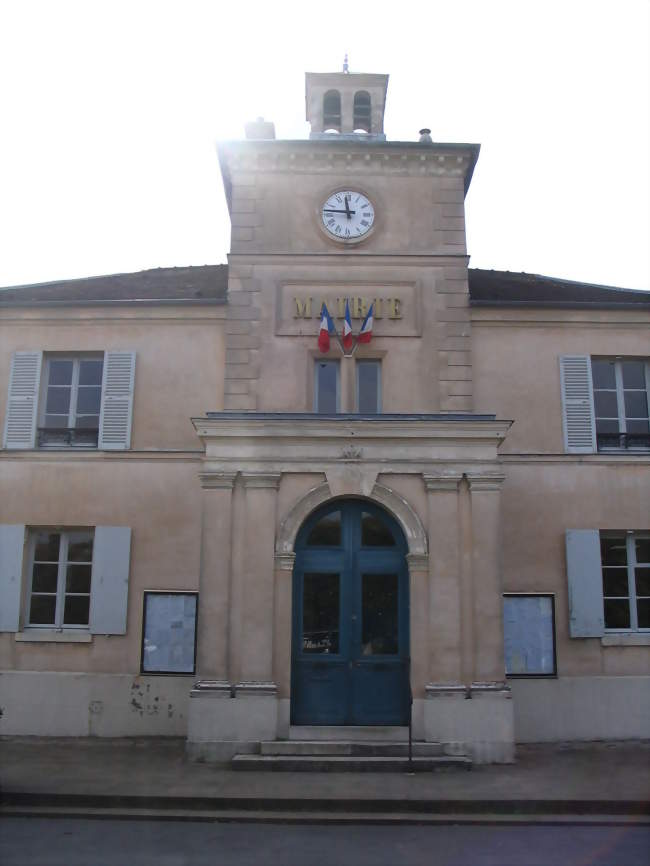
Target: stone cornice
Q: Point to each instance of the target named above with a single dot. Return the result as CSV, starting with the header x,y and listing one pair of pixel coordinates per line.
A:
x,y
363,158
262,444
284,561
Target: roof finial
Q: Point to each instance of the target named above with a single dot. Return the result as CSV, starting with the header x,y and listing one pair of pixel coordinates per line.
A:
x,y
345,63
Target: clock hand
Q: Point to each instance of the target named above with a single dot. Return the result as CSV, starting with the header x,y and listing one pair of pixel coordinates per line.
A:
x,y
347,206
348,211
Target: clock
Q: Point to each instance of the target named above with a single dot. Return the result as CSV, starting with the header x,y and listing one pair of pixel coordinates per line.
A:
x,y
348,215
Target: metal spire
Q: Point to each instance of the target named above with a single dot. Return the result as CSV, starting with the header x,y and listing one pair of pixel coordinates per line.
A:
x,y
345,63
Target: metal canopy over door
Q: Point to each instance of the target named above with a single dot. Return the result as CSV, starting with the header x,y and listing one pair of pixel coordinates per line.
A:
x,y
350,644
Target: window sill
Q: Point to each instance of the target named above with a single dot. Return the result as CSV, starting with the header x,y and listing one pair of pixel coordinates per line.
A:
x,y
630,639
45,636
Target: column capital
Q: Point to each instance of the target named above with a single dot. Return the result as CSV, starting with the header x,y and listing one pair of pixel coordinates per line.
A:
x,y
217,480
269,480
485,480
284,561
442,480
418,561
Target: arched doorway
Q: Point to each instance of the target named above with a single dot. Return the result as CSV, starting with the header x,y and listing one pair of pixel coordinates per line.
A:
x,y
350,641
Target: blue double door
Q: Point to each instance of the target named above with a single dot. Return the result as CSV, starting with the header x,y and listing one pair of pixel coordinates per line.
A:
x,y
350,643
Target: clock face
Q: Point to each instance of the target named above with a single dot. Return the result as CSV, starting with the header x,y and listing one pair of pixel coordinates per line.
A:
x,y
348,215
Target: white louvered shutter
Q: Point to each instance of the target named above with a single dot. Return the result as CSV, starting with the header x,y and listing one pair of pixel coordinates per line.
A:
x,y
117,401
12,543
109,589
22,401
585,578
579,424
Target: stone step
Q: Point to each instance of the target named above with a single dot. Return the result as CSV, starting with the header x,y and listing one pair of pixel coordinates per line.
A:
x,y
319,748
347,763
350,733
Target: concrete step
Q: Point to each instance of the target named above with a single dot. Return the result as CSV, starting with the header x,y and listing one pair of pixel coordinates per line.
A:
x,y
321,748
347,763
350,733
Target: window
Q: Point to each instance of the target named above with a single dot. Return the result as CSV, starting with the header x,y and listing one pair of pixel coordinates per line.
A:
x,y
70,400
326,387
61,566
609,582
626,581
621,390
332,111
368,387
605,403
73,579
361,111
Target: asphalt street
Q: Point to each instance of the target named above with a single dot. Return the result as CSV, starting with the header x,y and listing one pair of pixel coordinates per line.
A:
x,y
83,842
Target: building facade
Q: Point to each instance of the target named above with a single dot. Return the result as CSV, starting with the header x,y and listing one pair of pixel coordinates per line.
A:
x,y
212,528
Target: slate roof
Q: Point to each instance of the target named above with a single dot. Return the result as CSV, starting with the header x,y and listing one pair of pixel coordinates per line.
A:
x,y
508,289
209,283
203,284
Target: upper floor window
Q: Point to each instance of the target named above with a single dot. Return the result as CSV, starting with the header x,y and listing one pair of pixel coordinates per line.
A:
x,y
327,387
332,111
368,387
621,390
362,117
71,400
605,403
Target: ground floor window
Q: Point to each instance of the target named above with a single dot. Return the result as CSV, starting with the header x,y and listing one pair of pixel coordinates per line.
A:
x,y
626,580
61,569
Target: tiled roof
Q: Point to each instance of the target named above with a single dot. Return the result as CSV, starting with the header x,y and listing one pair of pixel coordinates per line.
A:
x,y
203,284
508,289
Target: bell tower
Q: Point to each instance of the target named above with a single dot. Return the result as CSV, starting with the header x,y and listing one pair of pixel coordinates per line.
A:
x,y
346,104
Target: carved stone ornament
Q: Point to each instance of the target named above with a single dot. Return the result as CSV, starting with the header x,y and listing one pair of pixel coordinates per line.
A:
x,y
351,452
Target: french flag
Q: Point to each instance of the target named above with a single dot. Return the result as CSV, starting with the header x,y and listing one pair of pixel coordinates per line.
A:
x,y
348,339
326,328
365,334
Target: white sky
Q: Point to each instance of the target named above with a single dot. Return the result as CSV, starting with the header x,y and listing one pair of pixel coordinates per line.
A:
x,y
109,114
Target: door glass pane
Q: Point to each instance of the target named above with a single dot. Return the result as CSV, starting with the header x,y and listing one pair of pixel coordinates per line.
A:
x,y
368,386
320,613
327,374
327,532
379,635
374,532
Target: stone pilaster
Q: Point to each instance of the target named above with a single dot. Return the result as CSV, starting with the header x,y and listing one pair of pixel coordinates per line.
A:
x,y
418,565
256,660
485,492
444,577
214,578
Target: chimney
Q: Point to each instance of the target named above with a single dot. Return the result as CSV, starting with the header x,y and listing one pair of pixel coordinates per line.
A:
x,y
425,136
260,128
